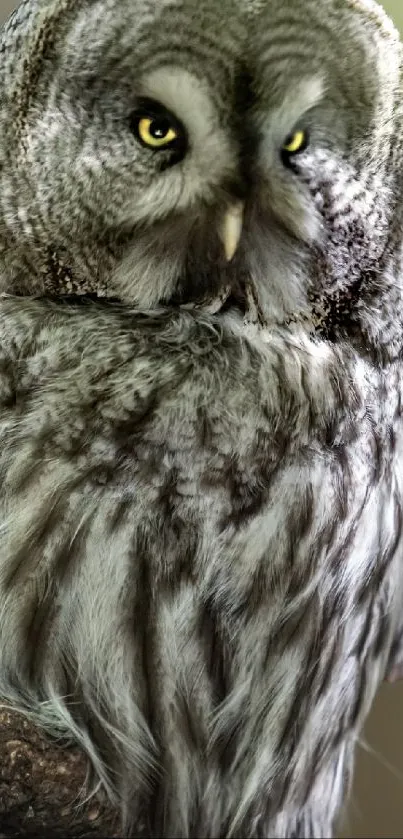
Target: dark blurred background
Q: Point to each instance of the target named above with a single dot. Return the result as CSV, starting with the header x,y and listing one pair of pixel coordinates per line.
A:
x,y
376,808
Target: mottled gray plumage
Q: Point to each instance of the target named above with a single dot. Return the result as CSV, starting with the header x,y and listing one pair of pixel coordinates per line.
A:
x,y
201,561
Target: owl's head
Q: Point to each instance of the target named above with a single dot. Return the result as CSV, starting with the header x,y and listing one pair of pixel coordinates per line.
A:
x,y
189,151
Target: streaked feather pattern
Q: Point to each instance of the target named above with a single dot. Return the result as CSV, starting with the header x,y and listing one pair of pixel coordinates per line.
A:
x,y
201,514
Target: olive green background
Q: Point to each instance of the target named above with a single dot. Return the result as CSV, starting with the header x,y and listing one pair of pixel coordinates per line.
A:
x,y
376,808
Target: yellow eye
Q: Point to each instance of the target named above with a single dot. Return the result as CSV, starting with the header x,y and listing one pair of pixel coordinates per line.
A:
x,y
296,142
156,132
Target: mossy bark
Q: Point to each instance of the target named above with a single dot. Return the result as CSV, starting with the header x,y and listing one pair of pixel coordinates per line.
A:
x,y
41,788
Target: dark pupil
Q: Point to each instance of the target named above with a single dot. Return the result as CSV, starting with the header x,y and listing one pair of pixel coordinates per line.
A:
x,y
159,128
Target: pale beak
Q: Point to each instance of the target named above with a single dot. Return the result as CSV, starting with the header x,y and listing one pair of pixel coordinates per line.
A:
x,y
230,229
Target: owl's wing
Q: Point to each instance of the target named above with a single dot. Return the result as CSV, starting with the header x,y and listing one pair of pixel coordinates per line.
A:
x,y
199,559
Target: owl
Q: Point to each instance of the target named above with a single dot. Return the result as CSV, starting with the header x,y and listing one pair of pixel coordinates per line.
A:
x,y
201,379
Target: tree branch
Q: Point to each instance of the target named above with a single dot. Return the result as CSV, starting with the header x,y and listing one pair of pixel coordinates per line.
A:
x,y
41,786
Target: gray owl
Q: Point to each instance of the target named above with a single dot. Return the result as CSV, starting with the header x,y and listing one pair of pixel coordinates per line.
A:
x,y
201,379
